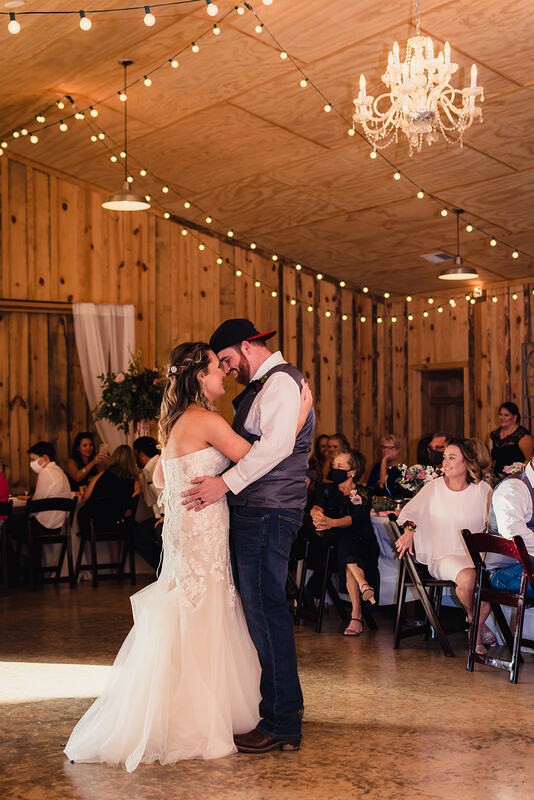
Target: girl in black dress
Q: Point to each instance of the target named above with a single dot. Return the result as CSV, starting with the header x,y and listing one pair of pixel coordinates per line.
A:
x,y
510,442
343,509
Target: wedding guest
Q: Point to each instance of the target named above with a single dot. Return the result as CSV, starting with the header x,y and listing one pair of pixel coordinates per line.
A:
x,y
84,463
512,514
436,448
343,508
510,442
337,442
384,476
319,462
434,518
110,495
148,515
51,482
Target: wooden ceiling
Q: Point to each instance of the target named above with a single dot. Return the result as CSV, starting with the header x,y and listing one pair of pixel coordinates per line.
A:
x,y
231,130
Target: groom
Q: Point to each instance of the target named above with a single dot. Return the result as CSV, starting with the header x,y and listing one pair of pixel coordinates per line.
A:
x,y
267,495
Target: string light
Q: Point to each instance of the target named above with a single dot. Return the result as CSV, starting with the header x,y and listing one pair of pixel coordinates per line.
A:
x,y
440,310
79,115
93,138
409,298
274,257
444,212
113,159
240,10
13,25
379,320
174,63
452,302
365,289
303,83
230,234
85,22
298,267
143,172
515,254
410,317
425,314
24,131
430,301
292,302
393,319
238,273
129,179
63,126
40,118
344,317
187,204
149,18
328,108
216,30
148,198
219,260
283,55
493,242
373,154
60,104
122,154
202,246
342,284
257,284
420,195
309,308
253,245
123,97
147,81
184,232
259,28
167,215
514,296
351,132
165,189
319,276
15,134
274,293
209,220
212,8
328,313
195,48
494,298
396,176
386,295
469,228
33,139
93,112
363,319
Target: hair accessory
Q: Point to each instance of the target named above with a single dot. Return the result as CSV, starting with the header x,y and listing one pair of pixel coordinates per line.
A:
x,y
173,370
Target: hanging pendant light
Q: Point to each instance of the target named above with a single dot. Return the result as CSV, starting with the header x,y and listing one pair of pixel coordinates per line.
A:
x,y
125,200
458,272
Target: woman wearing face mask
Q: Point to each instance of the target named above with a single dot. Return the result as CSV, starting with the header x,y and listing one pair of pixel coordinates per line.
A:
x,y
343,508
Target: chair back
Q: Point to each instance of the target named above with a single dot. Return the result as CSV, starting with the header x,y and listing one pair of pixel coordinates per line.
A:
x,y
52,504
478,543
6,507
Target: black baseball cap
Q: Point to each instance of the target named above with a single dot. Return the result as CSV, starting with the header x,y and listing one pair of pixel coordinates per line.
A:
x,y
234,331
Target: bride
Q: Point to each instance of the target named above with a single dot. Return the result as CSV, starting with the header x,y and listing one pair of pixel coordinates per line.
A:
x,y
186,678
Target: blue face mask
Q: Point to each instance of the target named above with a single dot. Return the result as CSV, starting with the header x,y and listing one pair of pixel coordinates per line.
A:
x,y
337,476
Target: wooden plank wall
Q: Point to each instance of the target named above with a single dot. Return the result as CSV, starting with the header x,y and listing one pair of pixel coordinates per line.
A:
x,y
59,246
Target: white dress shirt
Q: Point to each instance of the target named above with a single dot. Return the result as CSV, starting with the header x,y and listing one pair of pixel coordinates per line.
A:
x,y
512,505
273,416
148,502
51,482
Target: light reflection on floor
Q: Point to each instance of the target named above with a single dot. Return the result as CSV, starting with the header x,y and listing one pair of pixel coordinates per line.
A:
x,y
23,681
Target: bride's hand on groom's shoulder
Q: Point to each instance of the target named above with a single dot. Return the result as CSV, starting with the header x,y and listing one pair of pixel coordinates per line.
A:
x,y
206,491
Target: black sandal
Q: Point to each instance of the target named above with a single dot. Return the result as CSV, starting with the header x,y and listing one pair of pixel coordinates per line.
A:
x,y
349,631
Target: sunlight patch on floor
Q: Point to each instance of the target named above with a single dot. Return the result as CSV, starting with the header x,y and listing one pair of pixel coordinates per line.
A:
x,y
22,681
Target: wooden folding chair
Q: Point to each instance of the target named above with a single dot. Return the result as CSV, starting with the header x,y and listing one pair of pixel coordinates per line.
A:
x,y
479,544
38,536
428,590
121,532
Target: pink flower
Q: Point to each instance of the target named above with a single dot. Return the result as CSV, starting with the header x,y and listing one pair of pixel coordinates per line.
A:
x,y
156,381
119,378
421,475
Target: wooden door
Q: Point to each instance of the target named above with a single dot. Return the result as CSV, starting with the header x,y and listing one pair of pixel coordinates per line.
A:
x,y
443,401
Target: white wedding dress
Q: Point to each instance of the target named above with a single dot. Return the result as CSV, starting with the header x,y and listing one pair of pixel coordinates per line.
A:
x,y
187,675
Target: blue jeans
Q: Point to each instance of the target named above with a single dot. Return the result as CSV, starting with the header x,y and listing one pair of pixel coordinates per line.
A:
x,y
261,540
508,579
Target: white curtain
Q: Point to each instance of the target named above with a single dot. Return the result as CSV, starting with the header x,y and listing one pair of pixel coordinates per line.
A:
x,y
105,340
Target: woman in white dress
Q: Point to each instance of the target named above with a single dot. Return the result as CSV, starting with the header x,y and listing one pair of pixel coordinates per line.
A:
x,y
186,678
433,521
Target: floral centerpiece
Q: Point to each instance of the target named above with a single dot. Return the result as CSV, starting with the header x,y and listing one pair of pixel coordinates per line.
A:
x,y
130,396
414,478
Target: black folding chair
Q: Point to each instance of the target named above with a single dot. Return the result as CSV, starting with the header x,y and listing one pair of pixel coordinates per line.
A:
x,y
122,532
5,514
478,544
428,590
39,535
327,587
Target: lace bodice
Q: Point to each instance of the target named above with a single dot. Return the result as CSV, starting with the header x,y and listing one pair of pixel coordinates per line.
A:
x,y
195,543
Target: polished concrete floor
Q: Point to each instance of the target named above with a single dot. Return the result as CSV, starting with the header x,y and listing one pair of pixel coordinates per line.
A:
x,y
379,724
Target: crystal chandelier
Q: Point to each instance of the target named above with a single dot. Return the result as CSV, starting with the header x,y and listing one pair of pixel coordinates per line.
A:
x,y
421,102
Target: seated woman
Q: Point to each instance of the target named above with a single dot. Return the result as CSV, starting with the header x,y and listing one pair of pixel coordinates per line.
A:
x,y
433,521
385,473
343,508
511,441
110,494
83,463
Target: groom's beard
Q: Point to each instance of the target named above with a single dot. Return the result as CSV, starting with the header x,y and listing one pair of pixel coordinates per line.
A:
x,y
242,371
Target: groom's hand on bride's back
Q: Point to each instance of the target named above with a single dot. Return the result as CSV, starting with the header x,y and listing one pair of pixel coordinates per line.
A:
x,y
206,491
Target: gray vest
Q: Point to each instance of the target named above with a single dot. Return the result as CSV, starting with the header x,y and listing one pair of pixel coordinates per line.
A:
x,y
285,485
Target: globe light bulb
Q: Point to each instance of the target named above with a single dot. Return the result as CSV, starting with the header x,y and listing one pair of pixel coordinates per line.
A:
x,y
63,126
143,172
304,83
165,189
219,260
130,179
113,159
396,176
93,138
60,104
209,220
373,154
298,267
253,245
493,242
363,319
328,108
319,276
149,19
33,139
195,48
274,293
444,212
351,132
167,215
230,234
515,254
93,112
101,136
174,63
85,22
13,26
187,204
212,9
123,97
283,55
469,228
79,115
40,118
240,10
147,81
259,28
420,195
216,30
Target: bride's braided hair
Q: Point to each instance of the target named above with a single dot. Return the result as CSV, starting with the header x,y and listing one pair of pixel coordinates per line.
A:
x,y
187,362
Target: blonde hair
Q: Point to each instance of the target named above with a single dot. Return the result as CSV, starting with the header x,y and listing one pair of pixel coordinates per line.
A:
x,y
392,439
122,463
187,361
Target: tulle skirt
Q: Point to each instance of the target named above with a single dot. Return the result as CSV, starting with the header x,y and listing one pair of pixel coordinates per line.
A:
x,y
184,681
